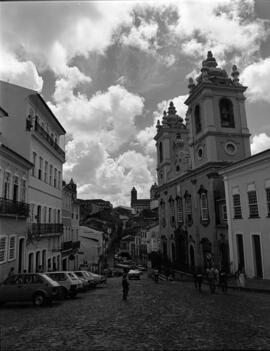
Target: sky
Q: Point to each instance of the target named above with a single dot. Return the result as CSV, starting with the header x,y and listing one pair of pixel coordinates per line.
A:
x,y
108,69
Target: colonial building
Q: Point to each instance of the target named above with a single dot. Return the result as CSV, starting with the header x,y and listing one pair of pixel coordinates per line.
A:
x,y
247,187
193,227
35,133
138,204
14,209
70,243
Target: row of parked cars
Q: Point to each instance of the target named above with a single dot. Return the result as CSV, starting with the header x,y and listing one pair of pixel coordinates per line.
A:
x,y
43,288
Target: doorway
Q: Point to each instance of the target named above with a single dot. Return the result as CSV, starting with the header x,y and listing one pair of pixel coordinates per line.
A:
x,y
257,256
240,251
21,255
30,262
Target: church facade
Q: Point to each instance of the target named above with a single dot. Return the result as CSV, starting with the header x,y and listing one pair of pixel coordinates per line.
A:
x,y
192,206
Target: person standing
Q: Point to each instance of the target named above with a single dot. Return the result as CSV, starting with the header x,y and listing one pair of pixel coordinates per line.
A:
x,y
223,280
11,272
125,284
211,279
199,277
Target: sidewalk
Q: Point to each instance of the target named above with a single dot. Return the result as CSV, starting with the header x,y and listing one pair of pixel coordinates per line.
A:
x,y
252,285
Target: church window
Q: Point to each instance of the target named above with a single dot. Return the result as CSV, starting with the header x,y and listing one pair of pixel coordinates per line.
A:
x,y
204,205
179,206
160,152
197,114
253,204
172,211
237,206
226,113
188,208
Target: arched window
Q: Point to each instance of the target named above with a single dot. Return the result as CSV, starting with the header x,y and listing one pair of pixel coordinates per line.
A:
x,y
160,152
204,205
226,113
179,206
172,211
197,115
188,208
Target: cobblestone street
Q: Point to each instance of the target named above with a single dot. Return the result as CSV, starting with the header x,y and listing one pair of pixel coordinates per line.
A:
x,y
164,316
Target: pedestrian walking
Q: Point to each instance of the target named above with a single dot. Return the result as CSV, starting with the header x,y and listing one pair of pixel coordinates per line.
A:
x,y
156,274
125,284
242,278
223,280
211,279
11,272
199,276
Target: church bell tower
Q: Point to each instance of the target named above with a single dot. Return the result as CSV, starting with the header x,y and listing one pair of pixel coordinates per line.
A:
x,y
216,116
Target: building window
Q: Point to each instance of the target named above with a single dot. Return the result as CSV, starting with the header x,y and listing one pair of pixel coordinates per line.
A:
x,y
3,248
253,205
172,211
40,168
59,180
7,180
237,206
50,177
15,188
50,215
45,215
46,172
204,207
12,248
224,212
34,163
197,115
160,152
23,190
58,216
188,209
55,178
226,113
179,205
268,201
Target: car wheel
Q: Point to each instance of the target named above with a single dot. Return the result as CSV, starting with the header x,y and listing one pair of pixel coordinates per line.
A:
x,y
38,299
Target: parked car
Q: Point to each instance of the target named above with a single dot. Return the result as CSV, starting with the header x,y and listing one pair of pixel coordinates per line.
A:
x,y
35,287
100,279
68,281
85,284
134,274
84,274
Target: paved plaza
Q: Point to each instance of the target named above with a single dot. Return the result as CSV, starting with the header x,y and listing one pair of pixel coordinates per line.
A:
x,y
164,316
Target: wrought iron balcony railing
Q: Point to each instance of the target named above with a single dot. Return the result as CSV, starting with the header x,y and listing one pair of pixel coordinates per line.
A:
x,y
50,140
45,228
16,208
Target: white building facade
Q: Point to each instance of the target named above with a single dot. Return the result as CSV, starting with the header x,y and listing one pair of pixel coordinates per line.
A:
x,y
36,134
247,187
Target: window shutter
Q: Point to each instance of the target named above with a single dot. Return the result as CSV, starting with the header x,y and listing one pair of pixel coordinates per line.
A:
x,y
12,242
3,248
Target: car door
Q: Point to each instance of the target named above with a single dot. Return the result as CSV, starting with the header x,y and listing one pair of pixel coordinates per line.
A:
x,y
9,289
25,287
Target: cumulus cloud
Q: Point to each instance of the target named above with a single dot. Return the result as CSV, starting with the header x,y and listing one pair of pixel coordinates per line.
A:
x,y
224,26
22,73
260,143
255,76
115,178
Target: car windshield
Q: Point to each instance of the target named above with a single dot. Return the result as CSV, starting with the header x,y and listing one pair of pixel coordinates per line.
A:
x,y
48,278
79,274
72,276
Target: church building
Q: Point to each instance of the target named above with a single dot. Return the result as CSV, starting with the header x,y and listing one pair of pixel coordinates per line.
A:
x,y
192,206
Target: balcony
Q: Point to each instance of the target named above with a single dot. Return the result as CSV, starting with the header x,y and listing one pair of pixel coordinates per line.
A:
x,y
67,246
50,140
13,208
76,245
45,228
